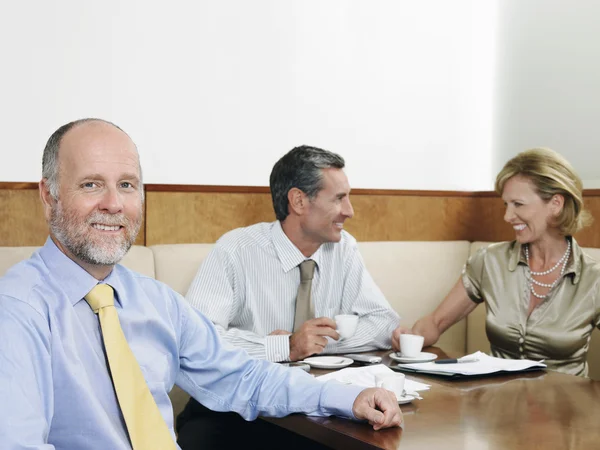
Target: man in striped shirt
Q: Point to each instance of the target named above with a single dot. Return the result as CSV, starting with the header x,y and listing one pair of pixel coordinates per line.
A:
x,y
248,284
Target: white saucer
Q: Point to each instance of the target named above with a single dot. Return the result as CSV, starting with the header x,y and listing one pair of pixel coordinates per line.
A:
x,y
405,399
421,357
328,362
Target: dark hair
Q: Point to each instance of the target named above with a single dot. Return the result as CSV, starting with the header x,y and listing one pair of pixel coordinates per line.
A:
x,y
300,168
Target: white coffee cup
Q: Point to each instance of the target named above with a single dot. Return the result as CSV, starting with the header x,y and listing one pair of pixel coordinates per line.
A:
x,y
392,382
411,344
346,324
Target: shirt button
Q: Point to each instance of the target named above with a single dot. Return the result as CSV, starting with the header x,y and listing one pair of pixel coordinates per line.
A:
x,y
522,356
521,349
521,340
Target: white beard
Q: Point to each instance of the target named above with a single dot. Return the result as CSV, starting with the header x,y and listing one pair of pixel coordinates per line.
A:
x,y
74,236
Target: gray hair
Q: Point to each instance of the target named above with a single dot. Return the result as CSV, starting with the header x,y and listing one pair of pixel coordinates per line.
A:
x,y
300,168
50,166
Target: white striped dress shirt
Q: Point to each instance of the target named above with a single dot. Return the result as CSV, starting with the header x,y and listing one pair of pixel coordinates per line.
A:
x,y
247,287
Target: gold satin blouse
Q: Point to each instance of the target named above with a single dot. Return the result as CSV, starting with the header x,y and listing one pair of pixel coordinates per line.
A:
x,y
559,329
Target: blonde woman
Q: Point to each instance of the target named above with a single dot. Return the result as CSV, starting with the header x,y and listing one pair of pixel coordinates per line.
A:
x,y
541,291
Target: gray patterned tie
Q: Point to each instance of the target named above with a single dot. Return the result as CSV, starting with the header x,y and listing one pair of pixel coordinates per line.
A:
x,y
304,306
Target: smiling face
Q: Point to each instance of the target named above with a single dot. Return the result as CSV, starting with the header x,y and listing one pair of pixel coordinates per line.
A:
x,y
324,217
98,212
530,216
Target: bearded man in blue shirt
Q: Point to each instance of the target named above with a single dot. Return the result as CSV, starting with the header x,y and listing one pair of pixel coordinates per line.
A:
x,y
58,370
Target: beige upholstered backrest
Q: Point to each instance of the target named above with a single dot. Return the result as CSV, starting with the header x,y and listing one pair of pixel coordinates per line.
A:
x,y
9,256
139,258
416,276
477,339
177,264
594,352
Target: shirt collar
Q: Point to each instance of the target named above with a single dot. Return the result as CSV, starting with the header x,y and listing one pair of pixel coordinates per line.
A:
x,y
574,262
517,255
74,281
288,254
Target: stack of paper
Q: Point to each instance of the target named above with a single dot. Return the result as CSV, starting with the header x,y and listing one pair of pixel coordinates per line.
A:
x,y
484,365
365,376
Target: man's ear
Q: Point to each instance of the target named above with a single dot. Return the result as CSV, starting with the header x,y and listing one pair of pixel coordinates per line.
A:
x,y
297,201
48,201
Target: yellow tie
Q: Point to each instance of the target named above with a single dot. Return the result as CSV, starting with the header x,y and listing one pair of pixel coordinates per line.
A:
x,y
147,428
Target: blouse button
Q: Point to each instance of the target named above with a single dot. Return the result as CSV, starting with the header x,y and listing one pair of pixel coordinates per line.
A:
x,y
521,340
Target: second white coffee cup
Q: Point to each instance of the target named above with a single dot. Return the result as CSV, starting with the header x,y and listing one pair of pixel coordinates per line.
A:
x,y
392,382
411,344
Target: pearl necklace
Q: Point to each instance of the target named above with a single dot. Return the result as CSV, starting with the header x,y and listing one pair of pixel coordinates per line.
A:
x,y
533,281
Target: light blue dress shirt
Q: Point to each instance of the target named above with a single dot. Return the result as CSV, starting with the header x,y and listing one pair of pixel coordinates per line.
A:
x,y
55,387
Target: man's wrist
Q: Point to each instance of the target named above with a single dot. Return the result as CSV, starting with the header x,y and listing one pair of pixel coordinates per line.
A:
x,y
338,399
277,347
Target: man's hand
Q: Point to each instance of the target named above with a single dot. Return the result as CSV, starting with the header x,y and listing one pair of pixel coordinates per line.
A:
x,y
379,407
310,338
396,336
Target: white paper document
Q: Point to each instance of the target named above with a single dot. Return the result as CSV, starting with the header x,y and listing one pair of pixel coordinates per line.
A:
x,y
485,364
365,376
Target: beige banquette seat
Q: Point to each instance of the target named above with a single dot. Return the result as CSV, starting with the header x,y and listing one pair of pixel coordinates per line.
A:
x,y
414,276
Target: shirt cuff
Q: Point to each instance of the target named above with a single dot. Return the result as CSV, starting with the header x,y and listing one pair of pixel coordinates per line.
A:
x,y
277,347
338,399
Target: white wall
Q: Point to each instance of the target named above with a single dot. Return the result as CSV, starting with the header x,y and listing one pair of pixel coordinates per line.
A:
x,y
214,92
548,82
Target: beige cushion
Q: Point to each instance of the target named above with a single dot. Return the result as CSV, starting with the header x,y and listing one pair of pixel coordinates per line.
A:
x,y
416,276
9,256
140,259
177,264
477,338
594,351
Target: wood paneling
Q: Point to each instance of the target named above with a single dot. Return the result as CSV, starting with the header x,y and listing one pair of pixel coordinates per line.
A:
x,y
408,218
590,236
182,214
486,222
22,219
180,217
183,217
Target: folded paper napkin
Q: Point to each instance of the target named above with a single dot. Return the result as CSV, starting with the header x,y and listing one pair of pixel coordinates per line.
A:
x,y
365,376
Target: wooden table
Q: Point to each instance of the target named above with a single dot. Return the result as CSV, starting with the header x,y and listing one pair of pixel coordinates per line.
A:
x,y
543,409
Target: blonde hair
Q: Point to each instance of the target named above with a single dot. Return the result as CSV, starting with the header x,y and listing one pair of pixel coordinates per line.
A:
x,y
551,174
